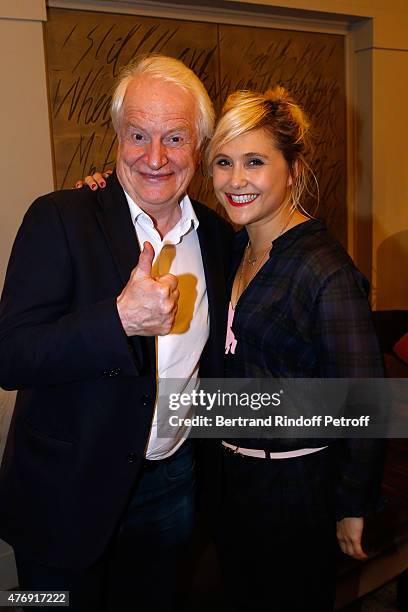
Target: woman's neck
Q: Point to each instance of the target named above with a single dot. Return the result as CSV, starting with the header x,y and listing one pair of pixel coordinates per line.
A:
x,y
263,233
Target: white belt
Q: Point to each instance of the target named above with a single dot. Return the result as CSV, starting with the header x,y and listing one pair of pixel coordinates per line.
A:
x,y
262,454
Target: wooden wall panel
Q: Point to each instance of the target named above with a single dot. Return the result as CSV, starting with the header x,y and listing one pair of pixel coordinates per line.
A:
x,y
311,66
85,51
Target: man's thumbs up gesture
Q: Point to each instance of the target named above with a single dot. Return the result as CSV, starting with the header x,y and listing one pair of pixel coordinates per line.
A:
x,y
147,305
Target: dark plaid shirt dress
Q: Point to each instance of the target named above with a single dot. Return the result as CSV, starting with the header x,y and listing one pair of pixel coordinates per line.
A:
x,y
306,315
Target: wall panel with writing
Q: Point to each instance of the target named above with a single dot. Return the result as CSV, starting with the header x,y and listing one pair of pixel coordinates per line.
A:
x,y
85,53
311,66
86,50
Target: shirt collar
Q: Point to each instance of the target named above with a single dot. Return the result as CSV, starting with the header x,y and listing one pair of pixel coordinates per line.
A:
x,y
187,220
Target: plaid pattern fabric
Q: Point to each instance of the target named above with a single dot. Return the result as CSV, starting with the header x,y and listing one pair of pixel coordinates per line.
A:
x,y
306,315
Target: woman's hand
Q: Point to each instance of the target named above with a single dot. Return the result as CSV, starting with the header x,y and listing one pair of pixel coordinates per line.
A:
x,y
349,532
94,181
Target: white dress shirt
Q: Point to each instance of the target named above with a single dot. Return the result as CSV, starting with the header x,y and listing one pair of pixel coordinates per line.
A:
x,y
178,353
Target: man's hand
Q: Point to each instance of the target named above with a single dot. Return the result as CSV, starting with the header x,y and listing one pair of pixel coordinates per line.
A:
x,y
147,305
349,532
94,181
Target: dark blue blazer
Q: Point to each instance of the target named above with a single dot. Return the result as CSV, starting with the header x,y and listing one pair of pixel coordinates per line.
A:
x,y
86,391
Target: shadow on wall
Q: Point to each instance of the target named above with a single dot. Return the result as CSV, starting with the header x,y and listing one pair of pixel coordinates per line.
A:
x,y
7,401
391,291
8,574
363,220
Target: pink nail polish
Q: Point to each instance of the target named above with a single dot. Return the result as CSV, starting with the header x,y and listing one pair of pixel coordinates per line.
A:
x,y
103,184
93,186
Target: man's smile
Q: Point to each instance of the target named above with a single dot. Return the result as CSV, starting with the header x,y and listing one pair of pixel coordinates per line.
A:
x,y
148,176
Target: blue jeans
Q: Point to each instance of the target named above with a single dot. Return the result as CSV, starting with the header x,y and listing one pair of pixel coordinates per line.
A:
x,y
146,566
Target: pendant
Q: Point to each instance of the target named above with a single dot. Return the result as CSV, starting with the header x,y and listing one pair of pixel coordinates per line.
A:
x,y
252,262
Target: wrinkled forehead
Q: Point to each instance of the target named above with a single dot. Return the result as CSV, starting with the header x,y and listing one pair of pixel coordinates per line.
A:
x,y
156,102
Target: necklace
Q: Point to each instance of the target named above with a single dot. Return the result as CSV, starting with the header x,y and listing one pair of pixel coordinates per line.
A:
x,y
255,263
251,261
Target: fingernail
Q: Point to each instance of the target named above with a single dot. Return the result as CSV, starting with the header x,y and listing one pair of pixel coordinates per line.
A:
x,y
103,184
93,186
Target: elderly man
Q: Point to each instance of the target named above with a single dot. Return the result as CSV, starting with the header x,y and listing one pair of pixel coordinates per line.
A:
x,y
105,294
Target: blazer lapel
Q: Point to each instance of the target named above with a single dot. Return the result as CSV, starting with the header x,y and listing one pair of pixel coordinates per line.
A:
x,y
114,217
211,254
117,225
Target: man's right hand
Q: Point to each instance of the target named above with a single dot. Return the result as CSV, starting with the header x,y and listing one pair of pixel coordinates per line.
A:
x,y
147,305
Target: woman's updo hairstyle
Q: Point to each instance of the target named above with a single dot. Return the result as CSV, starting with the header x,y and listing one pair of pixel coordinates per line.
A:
x,y
278,114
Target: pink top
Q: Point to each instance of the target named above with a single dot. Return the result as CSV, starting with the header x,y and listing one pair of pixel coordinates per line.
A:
x,y
230,343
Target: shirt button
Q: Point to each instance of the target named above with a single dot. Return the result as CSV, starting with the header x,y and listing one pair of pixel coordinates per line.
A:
x,y
132,457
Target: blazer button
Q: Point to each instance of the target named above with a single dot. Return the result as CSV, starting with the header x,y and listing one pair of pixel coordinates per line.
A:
x,y
132,457
146,400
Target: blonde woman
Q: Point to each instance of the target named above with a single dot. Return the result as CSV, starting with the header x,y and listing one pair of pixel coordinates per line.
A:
x,y
298,309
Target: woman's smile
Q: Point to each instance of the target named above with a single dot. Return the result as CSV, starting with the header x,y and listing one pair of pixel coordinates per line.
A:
x,y
241,199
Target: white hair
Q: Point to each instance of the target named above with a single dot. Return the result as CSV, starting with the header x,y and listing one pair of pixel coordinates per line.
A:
x,y
170,70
